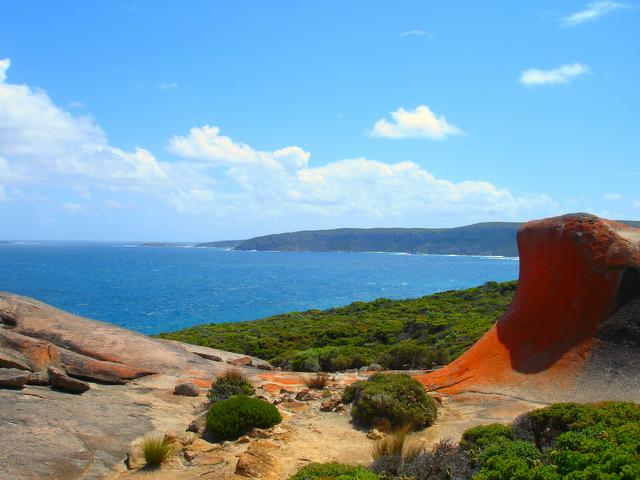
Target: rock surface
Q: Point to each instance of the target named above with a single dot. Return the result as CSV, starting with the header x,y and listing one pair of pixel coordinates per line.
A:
x,y
573,329
13,378
187,389
62,381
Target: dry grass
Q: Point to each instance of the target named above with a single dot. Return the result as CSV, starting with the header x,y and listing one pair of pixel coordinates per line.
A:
x,y
232,375
399,443
317,381
155,450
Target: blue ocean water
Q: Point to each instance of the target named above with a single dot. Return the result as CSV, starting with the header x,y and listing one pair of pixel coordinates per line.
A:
x,y
159,289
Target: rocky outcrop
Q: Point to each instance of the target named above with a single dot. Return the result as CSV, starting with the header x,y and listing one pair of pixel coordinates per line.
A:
x,y
13,378
60,380
573,329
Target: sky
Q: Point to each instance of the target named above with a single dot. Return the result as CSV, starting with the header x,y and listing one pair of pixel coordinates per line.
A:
x,y
210,120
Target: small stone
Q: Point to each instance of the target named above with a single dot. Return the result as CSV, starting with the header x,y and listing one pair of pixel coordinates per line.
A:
x,y
187,389
374,367
264,366
209,459
295,406
189,455
60,380
363,369
209,356
241,362
375,434
243,439
13,377
198,424
200,445
330,403
301,394
181,438
255,463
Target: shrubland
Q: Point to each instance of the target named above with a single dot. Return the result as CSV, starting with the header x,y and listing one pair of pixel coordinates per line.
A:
x,y
398,334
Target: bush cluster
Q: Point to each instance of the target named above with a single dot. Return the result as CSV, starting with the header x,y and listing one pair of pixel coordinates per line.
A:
x,y
390,397
230,383
232,418
333,471
413,333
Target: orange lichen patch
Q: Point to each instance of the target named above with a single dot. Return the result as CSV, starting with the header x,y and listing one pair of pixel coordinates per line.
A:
x,y
271,388
201,382
282,379
570,271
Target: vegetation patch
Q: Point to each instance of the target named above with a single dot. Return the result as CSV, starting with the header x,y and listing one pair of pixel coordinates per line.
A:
x,y
392,398
156,450
317,382
230,383
415,333
333,471
232,418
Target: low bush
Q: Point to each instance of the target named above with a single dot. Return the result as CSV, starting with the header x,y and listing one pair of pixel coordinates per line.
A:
x,y
327,359
155,450
333,471
408,355
392,397
232,418
318,381
230,383
483,435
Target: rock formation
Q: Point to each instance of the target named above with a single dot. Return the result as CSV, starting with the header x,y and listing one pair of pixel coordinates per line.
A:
x,y
573,329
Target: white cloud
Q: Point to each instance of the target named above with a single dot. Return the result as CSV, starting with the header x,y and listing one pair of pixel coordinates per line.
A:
x,y
418,123
72,207
45,149
593,11
416,33
39,139
612,196
561,75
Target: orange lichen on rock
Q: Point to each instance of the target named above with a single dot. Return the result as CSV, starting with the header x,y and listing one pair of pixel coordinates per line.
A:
x,y
572,272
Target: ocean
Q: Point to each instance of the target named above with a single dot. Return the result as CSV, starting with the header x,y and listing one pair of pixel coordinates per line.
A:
x,y
160,289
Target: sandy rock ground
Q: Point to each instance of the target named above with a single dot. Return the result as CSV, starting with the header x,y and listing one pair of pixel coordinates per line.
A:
x,y
308,434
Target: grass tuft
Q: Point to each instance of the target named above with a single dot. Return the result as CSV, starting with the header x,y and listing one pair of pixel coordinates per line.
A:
x,y
318,381
156,450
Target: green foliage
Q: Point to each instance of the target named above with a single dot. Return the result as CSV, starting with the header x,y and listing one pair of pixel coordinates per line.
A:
x,y
484,435
392,397
567,441
232,418
442,325
229,384
333,471
155,450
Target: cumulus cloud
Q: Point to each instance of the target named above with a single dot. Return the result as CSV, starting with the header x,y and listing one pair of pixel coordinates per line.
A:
x,y
557,76
213,175
38,139
418,123
593,11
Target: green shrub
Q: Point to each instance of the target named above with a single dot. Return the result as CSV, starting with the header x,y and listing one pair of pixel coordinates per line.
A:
x,y
483,435
228,384
155,450
232,418
408,355
333,471
392,397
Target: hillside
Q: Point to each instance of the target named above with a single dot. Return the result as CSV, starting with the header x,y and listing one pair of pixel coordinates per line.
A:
x,y
412,333
493,238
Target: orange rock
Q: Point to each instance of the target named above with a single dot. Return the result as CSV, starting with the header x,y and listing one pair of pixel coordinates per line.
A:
x,y
574,272
201,382
271,388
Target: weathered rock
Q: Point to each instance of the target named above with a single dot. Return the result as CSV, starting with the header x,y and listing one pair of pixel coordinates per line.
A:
x,y
13,359
301,394
200,445
271,388
39,353
209,356
184,439
264,366
59,379
243,439
187,389
255,463
80,366
13,377
40,378
209,459
374,367
241,362
198,424
573,328
330,403
260,433
375,434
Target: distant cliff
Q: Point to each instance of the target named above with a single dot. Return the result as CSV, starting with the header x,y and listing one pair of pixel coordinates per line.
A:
x,y
495,238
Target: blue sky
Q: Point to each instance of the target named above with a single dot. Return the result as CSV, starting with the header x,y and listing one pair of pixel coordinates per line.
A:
x,y
170,120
